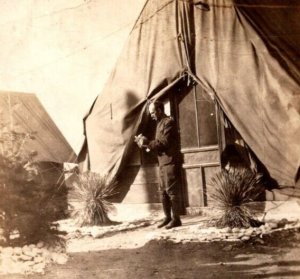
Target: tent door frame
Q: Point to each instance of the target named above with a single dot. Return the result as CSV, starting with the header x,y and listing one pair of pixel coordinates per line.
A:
x,y
195,196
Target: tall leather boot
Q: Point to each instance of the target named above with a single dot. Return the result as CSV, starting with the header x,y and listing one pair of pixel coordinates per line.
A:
x,y
166,203
175,222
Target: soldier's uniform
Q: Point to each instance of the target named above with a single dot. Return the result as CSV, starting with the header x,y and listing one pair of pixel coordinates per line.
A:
x,y
166,146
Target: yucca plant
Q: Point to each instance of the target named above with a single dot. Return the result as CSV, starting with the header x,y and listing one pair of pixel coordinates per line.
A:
x,y
91,193
234,191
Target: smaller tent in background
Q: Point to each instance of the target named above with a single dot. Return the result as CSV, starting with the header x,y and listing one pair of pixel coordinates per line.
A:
x,y
23,113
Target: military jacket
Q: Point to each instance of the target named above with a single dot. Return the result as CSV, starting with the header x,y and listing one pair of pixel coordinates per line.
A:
x,y
165,142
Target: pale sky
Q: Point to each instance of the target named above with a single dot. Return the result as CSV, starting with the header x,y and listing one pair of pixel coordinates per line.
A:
x,y
63,51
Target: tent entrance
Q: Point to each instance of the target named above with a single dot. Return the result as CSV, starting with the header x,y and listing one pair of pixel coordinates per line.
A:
x,y
199,134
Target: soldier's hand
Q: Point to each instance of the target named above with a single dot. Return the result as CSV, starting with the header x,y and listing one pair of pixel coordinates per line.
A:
x,y
141,141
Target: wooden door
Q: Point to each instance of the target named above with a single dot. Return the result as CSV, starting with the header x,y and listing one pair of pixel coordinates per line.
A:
x,y
198,132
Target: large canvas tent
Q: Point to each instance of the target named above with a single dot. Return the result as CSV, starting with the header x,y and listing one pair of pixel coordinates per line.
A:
x,y
244,54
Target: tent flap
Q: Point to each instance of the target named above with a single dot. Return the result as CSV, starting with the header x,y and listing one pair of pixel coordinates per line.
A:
x,y
152,59
254,89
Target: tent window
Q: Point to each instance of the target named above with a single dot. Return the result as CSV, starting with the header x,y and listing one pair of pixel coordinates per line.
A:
x,y
187,120
197,118
206,116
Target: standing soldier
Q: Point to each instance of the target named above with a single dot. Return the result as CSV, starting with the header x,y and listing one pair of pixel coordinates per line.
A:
x,y
166,146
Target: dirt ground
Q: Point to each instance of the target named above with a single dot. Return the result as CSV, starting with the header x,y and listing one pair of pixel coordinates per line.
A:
x,y
123,255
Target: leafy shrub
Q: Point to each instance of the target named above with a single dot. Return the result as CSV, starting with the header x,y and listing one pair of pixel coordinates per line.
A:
x,y
234,191
91,193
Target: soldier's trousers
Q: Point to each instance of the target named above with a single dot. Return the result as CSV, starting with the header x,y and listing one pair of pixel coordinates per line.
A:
x,y
169,183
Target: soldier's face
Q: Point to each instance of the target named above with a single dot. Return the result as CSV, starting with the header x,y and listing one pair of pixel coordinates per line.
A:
x,y
154,112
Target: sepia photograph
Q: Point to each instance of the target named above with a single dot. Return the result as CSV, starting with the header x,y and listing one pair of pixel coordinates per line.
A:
x,y
149,139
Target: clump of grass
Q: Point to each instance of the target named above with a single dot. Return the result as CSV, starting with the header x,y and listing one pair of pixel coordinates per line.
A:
x,y
234,191
91,193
